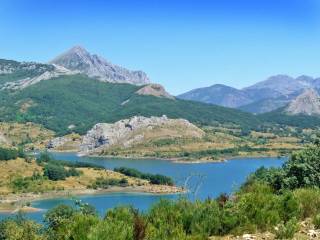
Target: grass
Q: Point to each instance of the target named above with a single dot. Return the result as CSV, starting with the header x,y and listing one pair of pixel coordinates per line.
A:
x,y
215,144
13,170
92,101
29,135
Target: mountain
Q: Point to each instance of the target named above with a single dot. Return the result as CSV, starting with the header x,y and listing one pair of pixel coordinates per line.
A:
x,y
80,60
218,94
265,96
74,103
282,84
307,103
18,75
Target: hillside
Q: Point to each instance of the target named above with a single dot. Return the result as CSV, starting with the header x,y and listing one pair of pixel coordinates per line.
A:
x,y
76,103
129,132
280,117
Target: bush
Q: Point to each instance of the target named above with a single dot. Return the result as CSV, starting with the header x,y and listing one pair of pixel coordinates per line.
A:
x,y
55,172
10,154
58,216
302,170
316,221
309,201
287,230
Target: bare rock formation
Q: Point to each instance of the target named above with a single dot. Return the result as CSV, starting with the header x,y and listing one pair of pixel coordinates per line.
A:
x,y
128,132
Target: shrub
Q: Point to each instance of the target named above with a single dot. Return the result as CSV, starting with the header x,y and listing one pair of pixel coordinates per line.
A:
x,y
58,216
316,221
300,171
287,230
9,154
309,201
55,172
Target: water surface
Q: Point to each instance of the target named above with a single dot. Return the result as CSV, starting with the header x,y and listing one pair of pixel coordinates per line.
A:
x,y
204,180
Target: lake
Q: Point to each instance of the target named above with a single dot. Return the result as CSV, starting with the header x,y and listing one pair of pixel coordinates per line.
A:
x,y
203,179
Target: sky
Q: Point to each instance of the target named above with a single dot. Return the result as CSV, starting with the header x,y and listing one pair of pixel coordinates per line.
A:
x,y
181,44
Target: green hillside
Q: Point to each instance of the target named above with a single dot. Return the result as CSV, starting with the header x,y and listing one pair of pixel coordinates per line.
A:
x,y
80,101
280,117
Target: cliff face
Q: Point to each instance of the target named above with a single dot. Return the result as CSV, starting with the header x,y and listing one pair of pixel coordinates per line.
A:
x,y
308,103
128,132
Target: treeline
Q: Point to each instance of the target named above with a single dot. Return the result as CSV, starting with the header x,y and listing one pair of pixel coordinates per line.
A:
x,y
104,183
228,151
153,178
47,158
11,153
55,170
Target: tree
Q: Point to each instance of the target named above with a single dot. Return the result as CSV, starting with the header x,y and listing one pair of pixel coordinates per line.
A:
x,y
55,172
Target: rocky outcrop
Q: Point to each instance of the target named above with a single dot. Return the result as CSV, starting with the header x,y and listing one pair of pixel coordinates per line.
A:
x,y
308,103
154,90
128,132
57,142
79,59
69,142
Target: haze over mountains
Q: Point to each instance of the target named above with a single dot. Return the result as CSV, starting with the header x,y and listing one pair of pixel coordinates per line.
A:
x,y
275,92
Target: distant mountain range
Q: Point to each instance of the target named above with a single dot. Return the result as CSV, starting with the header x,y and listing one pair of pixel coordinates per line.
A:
x,y
77,90
273,93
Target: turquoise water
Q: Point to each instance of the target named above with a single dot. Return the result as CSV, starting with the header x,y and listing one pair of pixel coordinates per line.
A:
x,y
204,180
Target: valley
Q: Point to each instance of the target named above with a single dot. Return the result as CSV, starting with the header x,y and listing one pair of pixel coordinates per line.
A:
x,y
80,128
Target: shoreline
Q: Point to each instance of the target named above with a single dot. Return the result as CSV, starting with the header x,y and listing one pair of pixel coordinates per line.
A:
x,y
185,160
15,202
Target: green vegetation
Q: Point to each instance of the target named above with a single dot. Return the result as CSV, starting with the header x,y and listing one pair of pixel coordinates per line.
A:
x,y
9,154
300,171
92,101
260,205
35,183
105,183
56,172
300,121
45,157
22,70
153,178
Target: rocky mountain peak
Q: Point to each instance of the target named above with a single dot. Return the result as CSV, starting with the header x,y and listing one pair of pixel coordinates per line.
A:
x,y
307,103
79,59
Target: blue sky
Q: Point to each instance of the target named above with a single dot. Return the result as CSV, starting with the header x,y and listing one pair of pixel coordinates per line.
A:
x,y
181,44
